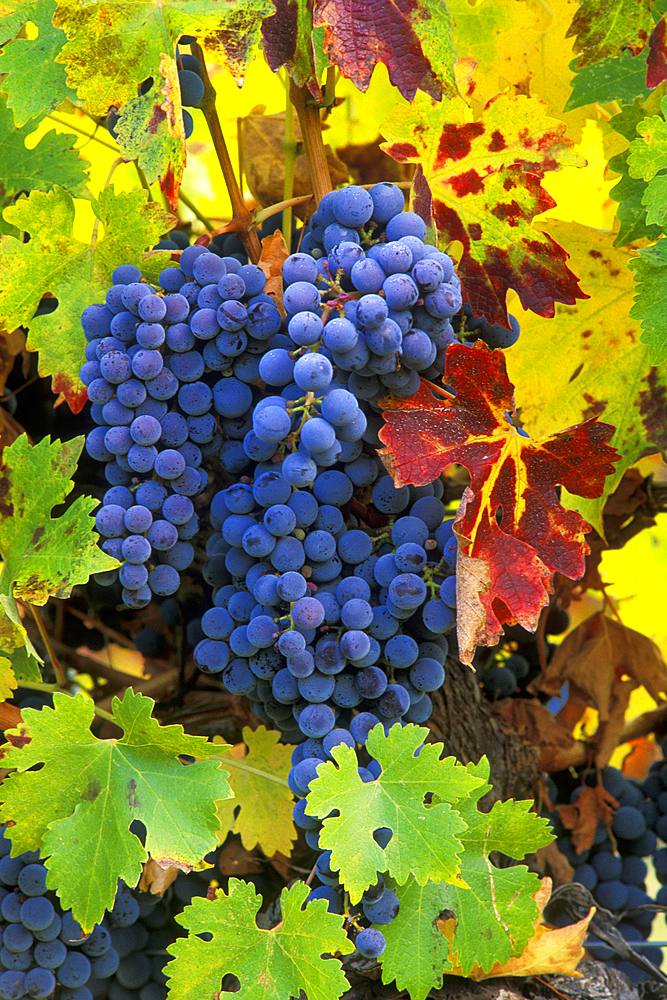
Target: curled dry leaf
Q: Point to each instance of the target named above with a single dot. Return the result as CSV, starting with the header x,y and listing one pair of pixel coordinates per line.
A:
x,y
582,817
548,951
156,879
536,726
274,255
551,862
604,661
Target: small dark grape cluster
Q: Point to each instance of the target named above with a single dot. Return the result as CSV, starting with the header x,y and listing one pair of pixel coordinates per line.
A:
x,y
45,953
614,870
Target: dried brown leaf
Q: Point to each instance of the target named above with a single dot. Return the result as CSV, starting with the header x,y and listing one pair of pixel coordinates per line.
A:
x,y
274,255
156,879
535,725
553,863
582,817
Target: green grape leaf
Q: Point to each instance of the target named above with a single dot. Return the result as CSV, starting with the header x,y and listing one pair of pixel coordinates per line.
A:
x,y
650,304
495,912
78,808
417,952
620,78
25,666
426,840
607,29
77,273
261,794
629,191
647,157
271,965
52,161
139,43
42,557
34,82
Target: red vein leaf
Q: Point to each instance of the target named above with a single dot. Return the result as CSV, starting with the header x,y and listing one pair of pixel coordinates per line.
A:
x,y
485,179
510,518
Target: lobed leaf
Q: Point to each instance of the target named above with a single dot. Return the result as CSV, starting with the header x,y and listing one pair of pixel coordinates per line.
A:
x,y
34,82
271,965
604,30
619,78
426,838
261,810
77,273
77,809
562,370
484,179
52,161
510,523
650,305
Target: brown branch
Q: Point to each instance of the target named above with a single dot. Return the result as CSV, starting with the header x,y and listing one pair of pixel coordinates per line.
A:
x,y
311,133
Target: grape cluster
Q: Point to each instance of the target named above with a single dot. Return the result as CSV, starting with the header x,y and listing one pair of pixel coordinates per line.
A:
x,y
371,294
157,376
613,870
45,952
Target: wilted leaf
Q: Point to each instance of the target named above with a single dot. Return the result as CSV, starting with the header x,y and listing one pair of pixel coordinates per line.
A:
x,y
656,70
510,517
537,727
156,878
77,273
273,256
88,785
562,373
608,29
262,138
581,817
264,805
274,964
485,180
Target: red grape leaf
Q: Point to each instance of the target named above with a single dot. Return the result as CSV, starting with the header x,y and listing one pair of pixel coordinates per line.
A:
x,y
485,184
604,30
510,519
411,38
656,63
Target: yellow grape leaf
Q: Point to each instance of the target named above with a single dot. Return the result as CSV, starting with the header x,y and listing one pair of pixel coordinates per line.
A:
x,y
485,187
590,362
258,779
8,682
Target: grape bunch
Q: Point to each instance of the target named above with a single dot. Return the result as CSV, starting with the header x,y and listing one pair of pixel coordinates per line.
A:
x,y
157,377
46,954
613,870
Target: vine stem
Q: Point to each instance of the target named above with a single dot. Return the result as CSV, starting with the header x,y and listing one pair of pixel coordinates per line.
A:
x,y
61,676
193,208
242,215
289,150
308,114
88,135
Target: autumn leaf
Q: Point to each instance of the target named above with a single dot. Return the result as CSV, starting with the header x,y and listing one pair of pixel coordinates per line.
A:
x,y
562,372
485,180
656,68
604,661
607,29
592,806
273,256
536,726
411,38
510,518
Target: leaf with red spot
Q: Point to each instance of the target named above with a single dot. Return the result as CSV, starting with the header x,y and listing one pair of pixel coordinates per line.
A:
x,y
656,64
77,274
485,182
411,38
513,532
608,29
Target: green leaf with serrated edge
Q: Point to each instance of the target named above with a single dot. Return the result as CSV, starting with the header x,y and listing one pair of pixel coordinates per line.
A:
x,y
607,29
631,212
24,665
655,200
495,912
620,78
271,965
261,793
426,841
648,152
77,273
12,633
650,305
78,808
45,557
52,161
35,83
417,953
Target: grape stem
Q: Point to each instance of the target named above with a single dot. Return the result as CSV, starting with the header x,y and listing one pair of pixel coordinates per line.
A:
x,y
242,215
289,151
